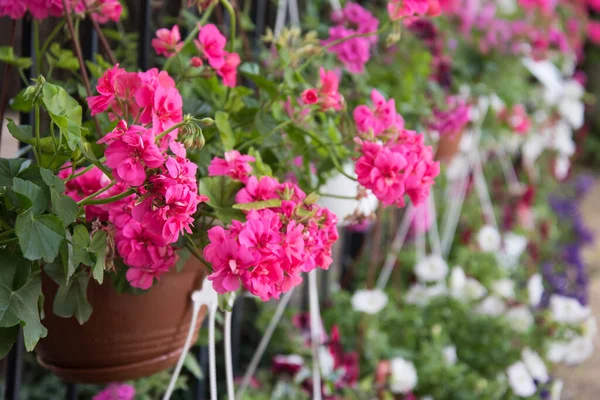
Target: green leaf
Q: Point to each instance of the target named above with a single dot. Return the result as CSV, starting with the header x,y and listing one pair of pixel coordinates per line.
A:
x,y
71,297
21,102
64,207
11,168
258,205
53,181
62,58
192,366
7,55
80,242
227,137
23,133
40,236
259,165
65,112
33,192
19,304
270,87
226,215
98,247
8,337
221,190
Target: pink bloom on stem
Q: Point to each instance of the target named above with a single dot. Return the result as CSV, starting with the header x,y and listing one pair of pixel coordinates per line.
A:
x,y
229,264
228,71
14,9
167,42
196,62
328,94
380,118
310,96
116,391
258,190
353,53
398,9
593,31
211,44
234,165
453,119
167,111
102,11
129,154
151,80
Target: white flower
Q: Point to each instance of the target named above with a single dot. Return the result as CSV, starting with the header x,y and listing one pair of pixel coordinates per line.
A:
x,y
369,301
535,365
567,310
421,295
504,288
578,350
457,282
556,389
450,354
533,148
326,361
556,351
520,381
404,375
562,164
514,246
570,106
563,139
431,269
474,290
520,318
535,290
492,306
488,239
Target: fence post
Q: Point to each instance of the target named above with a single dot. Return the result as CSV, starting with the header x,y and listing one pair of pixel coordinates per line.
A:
x,y
144,40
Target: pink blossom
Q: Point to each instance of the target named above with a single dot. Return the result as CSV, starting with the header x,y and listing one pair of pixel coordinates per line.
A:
x,y
150,80
378,119
167,111
196,62
398,9
102,11
211,45
310,96
14,9
228,71
116,391
517,119
167,42
116,88
229,264
234,165
258,190
453,119
593,32
130,153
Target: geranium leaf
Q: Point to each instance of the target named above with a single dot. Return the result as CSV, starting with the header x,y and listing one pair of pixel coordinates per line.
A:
x,y
98,247
40,236
65,112
19,303
258,205
221,190
227,137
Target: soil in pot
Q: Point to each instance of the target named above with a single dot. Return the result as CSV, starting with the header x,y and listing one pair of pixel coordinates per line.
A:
x,y
127,336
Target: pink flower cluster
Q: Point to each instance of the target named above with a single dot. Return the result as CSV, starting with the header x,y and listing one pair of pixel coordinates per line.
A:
x,y
380,118
211,45
162,209
394,162
268,252
233,165
116,391
398,9
451,120
167,42
102,11
89,183
147,97
517,119
354,52
326,95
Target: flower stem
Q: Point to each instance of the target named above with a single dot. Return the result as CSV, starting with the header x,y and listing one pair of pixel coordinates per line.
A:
x,y
169,130
334,159
337,196
98,193
105,45
83,171
38,154
194,31
191,246
107,200
232,24
8,241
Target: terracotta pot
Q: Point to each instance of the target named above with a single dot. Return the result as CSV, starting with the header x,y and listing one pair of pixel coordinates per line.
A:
x,y
127,336
448,146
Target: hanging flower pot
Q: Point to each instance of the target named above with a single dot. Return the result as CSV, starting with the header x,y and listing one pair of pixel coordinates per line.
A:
x,y
448,147
127,336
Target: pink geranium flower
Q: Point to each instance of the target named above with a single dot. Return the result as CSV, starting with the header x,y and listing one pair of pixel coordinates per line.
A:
x,y
14,9
310,96
398,9
453,119
382,116
234,165
116,391
130,152
211,44
167,42
258,190
228,71
229,264
167,111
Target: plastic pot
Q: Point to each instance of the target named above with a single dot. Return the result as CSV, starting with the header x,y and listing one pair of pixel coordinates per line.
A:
x,y
448,147
127,336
